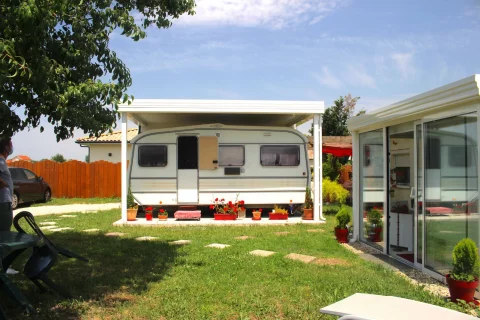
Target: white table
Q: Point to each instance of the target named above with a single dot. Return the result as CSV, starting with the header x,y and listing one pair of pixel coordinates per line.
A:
x,y
376,307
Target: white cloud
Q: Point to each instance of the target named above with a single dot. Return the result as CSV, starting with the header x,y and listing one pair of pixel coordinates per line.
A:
x,y
358,76
404,63
328,79
275,14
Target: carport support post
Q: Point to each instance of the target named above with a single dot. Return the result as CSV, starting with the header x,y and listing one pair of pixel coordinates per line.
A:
x,y
317,172
124,166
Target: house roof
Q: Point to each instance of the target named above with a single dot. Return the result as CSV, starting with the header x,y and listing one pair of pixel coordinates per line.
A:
x,y
337,145
158,113
19,158
451,95
114,137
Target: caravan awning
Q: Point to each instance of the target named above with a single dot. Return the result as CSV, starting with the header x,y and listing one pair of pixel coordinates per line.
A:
x,y
159,113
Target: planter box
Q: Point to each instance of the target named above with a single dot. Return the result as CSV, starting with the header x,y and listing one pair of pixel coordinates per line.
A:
x,y
221,216
277,216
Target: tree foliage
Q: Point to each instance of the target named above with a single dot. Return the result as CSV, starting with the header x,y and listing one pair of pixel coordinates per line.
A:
x,y
335,118
58,158
55,60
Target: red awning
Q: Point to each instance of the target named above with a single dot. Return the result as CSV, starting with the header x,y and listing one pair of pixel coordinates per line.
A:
x,y
337,151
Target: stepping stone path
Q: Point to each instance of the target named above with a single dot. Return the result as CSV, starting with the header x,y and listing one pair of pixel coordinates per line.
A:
x,y
331,262
180,242
61,229
114,234
49,227
315,230
68,216
91,230
300,257
47,223
282,233
244,238
146,238
262,253
217,245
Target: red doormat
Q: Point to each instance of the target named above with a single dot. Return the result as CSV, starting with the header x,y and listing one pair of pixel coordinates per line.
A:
x,y
406,256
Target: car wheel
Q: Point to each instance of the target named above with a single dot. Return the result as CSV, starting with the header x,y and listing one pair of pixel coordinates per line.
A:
x,y
47,195
14,201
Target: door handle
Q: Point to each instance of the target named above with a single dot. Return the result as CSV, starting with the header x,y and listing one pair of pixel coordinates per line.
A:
x,y
215,161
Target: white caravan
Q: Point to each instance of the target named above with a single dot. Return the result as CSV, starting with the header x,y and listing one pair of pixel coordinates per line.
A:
x,y
194,165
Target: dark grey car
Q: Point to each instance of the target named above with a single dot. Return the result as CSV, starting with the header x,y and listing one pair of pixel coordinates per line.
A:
x,y
28,187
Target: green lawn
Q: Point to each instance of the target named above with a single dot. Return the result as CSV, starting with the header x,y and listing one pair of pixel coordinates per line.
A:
x,y
64,201
129,279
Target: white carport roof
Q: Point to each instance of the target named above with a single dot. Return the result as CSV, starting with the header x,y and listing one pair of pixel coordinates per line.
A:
x,y
174,113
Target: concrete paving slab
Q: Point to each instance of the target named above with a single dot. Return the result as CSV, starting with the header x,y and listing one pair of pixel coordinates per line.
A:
x,y
61,229
244,237
146,238
180,242
49,227
282,233
262,253
115,234
68,216
300,257
217,245
48,223
91,230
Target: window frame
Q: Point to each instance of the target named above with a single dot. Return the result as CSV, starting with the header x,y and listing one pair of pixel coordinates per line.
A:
x,y
35,177
149,146
231,145
276,146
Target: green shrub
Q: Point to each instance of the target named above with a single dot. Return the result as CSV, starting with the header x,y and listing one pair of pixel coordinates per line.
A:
x,y
331,167
343,218
130,200
308,199
466,264
374,217
331,209
333,192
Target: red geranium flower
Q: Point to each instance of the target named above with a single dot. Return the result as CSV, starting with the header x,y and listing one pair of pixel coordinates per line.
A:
x,y
162,210
222,200
260,210
211,207
216,199
148,209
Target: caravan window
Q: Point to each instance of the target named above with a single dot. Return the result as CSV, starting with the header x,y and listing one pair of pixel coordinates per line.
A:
x,y
279,156
152,156
460,156
231,156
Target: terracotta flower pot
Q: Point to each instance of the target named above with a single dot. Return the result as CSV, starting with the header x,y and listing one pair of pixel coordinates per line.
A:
x,y
342,235
222,216
307,214
277,216
257,215
132,214
461,290
162,217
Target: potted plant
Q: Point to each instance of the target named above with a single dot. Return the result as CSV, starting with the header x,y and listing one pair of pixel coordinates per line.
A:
x,y
162,213
257,214
132,207
375,225
226,210
308,206
463,280
278,213
341,229
149,213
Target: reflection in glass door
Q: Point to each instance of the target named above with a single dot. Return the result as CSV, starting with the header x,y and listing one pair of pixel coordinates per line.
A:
x,y
417,193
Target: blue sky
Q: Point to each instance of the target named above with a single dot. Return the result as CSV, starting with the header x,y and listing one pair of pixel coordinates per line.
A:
x,y
382,51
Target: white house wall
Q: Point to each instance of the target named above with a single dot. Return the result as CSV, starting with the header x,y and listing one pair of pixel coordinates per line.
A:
x,y
101,152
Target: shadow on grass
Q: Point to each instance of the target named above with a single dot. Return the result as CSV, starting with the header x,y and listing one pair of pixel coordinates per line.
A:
x,y
119,268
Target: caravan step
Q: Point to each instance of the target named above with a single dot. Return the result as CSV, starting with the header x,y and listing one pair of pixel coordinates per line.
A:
x,y
188,214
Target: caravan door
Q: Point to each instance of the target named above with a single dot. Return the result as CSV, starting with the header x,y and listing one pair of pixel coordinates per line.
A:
x,y
187,170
